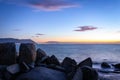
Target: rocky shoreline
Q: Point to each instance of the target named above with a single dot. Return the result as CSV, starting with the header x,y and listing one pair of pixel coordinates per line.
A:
x,y
32,64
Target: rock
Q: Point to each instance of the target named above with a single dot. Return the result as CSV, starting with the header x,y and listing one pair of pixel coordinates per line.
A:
x,y
56,67
44,60
13,69
86,62
89,73
105,65
70,67
40,55
42,73
78,75
27,53
7,53
116,65
24,67
69,64
53,60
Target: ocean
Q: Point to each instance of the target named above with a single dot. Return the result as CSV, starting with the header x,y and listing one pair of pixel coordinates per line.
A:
x,y
79,52
98,52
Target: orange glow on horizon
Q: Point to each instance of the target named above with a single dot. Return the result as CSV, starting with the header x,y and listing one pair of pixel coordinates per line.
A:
x,y
84,41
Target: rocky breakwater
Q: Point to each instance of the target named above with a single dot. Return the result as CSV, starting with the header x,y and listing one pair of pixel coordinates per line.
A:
x,y
32,64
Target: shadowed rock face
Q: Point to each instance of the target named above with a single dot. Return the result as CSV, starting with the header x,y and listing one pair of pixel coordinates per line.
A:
x,y
42,73
27,53
7,53
86,62
89,73
105,65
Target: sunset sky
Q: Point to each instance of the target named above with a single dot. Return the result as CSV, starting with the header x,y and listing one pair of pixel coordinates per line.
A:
x,y
86,21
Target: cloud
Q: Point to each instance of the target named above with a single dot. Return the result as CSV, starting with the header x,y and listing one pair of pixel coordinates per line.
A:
x,y
85,28
38,34
16,29
48,5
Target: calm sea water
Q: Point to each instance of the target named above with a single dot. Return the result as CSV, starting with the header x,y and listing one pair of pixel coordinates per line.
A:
x,y
98,52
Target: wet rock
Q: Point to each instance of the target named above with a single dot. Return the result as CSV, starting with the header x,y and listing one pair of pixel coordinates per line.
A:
x,y
86,62
40,55
89,73
42,73
27,53
7,53
13,69
105,65
78,75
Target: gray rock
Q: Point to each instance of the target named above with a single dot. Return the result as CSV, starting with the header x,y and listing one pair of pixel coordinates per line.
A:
x,y
89,73
42,73
86,62
13,69
78,75
7,53
69,64
53,60
27,53
105,65
40,55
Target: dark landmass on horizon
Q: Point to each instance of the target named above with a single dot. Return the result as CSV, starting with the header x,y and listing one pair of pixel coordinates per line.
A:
x,y
5,40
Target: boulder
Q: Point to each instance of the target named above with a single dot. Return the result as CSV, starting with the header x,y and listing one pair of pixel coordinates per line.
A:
x,y
116,65
13,69
70,67
27,53
69,64
42,73
78,75
7,53
105,65
86,62
89,73
53,60
40,54
24,67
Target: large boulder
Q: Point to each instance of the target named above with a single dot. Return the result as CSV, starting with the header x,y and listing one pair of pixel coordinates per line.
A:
x,y
86,62
69,64
70,67
40,55
7,53
27,53
78,75
42,73
89,73
53,60
105,65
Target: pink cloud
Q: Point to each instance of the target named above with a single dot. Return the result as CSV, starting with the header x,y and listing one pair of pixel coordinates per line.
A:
x,y
47,5
85,28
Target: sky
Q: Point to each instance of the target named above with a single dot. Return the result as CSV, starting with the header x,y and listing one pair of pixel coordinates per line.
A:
x,y
74,21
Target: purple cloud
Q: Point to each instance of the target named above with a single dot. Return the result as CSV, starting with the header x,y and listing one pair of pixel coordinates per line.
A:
x,y
85,28
48,5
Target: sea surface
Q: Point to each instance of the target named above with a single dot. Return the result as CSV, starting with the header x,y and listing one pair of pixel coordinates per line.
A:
x,y
98,52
